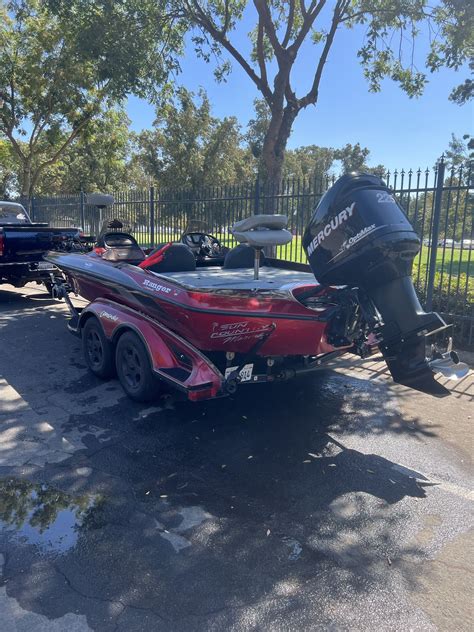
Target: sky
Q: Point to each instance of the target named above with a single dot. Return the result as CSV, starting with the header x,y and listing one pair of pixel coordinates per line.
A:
x,y
400,132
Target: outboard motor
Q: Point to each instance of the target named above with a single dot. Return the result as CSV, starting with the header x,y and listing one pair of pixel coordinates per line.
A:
x,y
360,237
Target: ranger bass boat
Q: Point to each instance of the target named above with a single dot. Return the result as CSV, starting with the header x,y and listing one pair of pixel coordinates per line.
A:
x,y
207,329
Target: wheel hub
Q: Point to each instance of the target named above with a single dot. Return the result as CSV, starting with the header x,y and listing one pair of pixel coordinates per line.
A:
x,y
94,348
132,369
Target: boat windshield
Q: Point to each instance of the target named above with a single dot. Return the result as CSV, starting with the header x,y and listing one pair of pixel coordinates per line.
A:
x,y
115,225
197,226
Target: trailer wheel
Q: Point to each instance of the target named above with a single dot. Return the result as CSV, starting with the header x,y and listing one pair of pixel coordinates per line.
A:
x,y
134,369
97,350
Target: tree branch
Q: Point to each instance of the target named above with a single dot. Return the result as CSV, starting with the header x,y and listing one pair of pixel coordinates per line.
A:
x,y
9,134
308,22
261,54
289,27
206,24
58,152
312,95
266,17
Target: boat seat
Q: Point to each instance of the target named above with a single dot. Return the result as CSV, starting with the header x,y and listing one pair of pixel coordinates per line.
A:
x,y
260,231
241,256
177,258
121,247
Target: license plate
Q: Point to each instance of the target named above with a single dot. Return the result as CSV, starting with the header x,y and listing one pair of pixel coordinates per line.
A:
x,y
245,373
45,265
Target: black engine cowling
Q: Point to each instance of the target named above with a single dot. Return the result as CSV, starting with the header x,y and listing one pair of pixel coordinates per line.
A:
x,y
359,236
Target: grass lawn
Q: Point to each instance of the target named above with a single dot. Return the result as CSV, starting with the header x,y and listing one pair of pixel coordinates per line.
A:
x,y
449,260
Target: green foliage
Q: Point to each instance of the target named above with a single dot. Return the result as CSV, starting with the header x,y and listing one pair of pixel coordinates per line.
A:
x,y
459,151
453,295
258,127
131,45
457,204
8,171
190,147
465,91
96,161
59,70
308,161
352,157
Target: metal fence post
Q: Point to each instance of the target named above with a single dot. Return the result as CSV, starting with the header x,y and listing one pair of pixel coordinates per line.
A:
x,y
82,207
152,216
435,234
256,206
32,209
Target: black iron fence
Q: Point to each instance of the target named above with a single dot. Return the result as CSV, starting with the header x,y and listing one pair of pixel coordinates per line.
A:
x,y
439,203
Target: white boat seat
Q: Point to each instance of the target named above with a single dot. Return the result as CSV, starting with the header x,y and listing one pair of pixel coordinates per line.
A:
x,y
274,222
262,238
262,230
259,231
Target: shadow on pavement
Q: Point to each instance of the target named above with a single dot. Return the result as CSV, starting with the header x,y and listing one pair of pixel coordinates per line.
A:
x,y
281,504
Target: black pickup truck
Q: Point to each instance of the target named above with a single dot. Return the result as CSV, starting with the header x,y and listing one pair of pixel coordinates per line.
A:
x,y
23,243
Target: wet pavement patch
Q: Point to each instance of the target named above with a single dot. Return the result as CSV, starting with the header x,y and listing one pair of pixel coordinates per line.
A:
x,y
43,516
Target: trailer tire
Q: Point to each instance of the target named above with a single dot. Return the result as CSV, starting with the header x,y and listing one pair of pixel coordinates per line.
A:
x,y
97,350
134,369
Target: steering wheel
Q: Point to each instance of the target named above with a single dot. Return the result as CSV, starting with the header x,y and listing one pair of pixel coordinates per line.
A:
x,y
210,246
203,245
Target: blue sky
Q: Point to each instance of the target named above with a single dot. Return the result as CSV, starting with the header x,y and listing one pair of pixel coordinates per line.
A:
x,y
399,131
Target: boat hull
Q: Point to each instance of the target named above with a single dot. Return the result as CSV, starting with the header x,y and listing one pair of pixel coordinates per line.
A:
x,y
223,320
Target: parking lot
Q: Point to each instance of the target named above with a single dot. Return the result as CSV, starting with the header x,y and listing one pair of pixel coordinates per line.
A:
x,y
336,502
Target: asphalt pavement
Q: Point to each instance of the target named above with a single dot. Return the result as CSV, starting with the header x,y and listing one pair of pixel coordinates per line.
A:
x,y
335,502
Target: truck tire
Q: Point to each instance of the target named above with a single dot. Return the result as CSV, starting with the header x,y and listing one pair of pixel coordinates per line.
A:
x,y
134,369
98,351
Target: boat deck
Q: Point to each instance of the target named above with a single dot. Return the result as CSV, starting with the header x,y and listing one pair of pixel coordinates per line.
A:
x,y
217,278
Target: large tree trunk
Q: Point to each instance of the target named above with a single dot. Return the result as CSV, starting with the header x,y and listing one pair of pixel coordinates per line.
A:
x,y
273,154
26,179
26,184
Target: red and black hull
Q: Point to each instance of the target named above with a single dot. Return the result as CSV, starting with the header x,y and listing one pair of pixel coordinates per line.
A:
x,y
226,320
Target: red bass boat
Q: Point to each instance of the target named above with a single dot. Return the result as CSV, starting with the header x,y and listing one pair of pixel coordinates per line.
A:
x,y
207,329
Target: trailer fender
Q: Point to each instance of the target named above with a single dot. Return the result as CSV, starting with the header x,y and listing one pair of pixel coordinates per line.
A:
x,y
172,358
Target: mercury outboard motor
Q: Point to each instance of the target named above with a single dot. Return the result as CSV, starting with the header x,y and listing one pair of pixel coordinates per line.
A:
x,y
360,237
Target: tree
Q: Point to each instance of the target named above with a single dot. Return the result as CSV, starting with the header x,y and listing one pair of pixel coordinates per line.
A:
x,y
58,71
308,161
457,202
257,129
96,161
189,147
352,157
281,29
459,150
